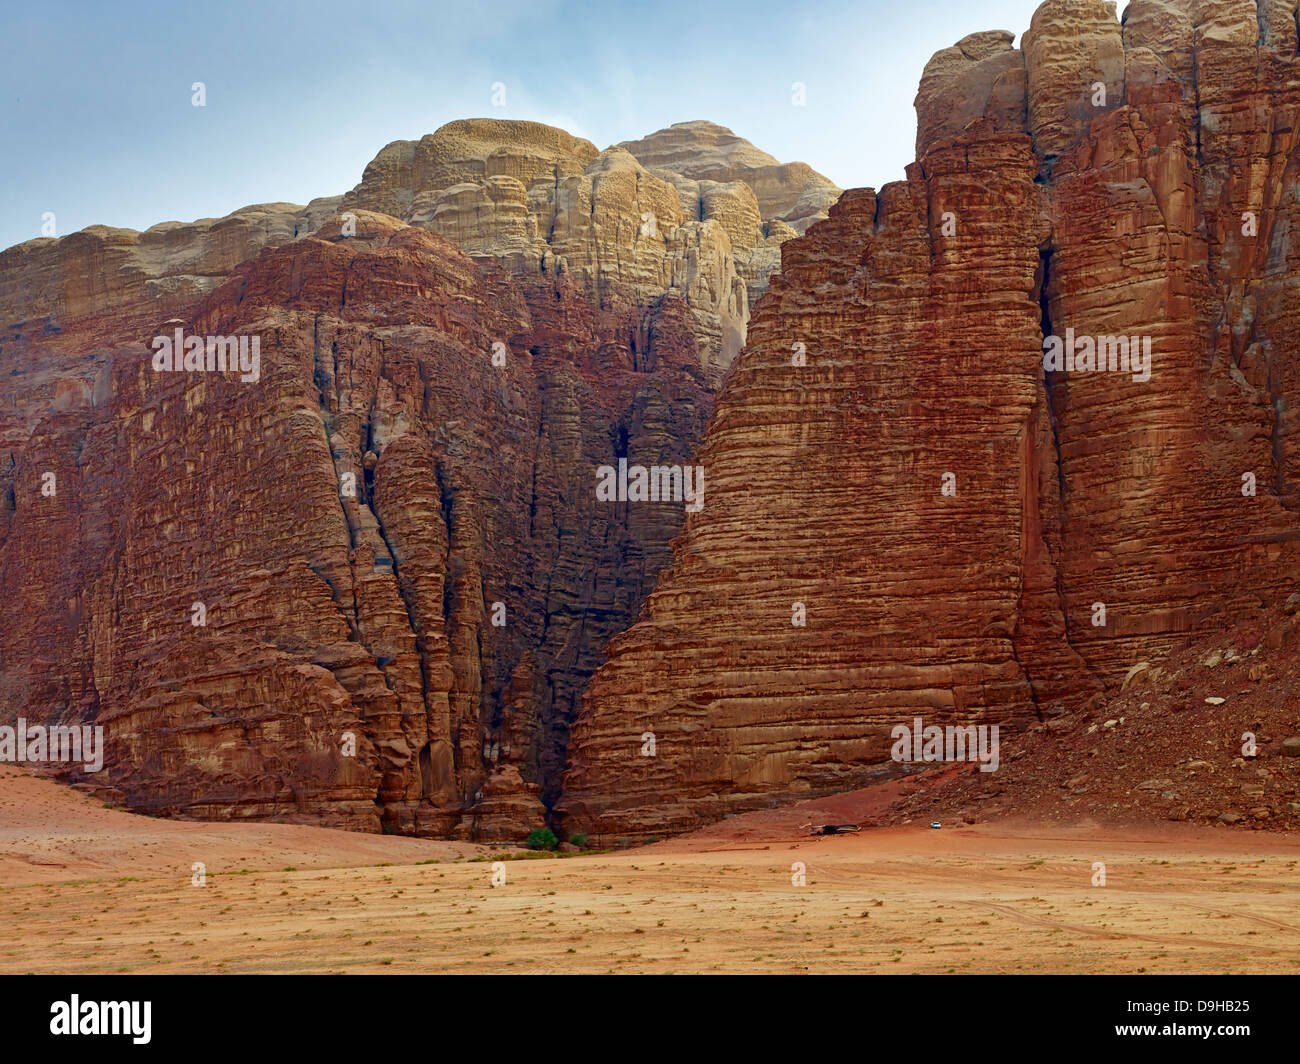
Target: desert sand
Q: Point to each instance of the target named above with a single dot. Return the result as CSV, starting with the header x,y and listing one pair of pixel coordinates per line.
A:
x,y
88,889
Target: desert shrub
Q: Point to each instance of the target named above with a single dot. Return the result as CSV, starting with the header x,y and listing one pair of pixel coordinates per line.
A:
x,y
542,839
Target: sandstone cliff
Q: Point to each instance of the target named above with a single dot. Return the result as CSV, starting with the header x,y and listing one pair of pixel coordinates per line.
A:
x,y
48,282
388,535
404,575
692,210
1128,180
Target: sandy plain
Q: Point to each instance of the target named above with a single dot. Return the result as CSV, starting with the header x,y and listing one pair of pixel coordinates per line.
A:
x,y
87,889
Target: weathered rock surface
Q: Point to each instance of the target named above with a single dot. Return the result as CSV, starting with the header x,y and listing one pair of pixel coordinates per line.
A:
x,y
693,210
328,613
47,283
793,193
1111,180
906,516
448,614
529,197
1169,746
65,302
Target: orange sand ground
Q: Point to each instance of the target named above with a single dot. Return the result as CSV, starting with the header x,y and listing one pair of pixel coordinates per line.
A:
x,y
84,889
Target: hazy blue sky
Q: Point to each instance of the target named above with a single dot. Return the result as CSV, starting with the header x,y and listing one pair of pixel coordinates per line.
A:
x,y
98,125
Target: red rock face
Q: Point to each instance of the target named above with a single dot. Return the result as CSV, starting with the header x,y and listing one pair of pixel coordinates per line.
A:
x,y
391,537
348,523
1111,181
394,545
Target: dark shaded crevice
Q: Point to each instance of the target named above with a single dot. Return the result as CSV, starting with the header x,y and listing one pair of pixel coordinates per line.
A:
x,y
425,758
618,439
1055,397
350,610
532,504
539,434
555,199
334,354
406,594
490,713
1045,324
1046,328
446,494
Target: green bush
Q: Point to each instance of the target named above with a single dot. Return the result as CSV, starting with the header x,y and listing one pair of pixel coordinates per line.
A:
x,y
542,839
579,840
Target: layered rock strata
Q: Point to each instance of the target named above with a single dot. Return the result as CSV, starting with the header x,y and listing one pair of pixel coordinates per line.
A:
x,y
390,535
704,220
367,587
974,539
48,283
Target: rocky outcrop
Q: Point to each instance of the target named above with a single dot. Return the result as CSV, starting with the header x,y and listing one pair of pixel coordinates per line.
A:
x,y
391,536
707,154
48,283
1203,736
368,585
973,539
693,210
529,197
66,303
